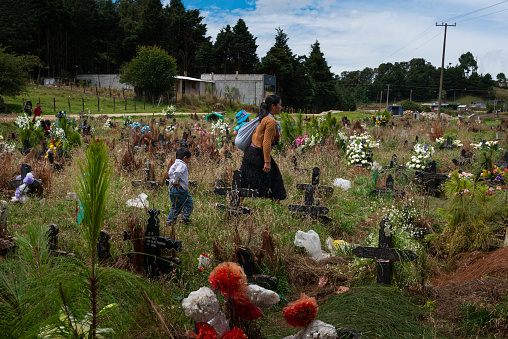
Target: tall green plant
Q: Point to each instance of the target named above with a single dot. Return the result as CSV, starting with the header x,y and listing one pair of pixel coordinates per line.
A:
x,y
291,128
93,192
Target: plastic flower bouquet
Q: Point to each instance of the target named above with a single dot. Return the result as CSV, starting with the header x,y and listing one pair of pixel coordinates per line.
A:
x,y
358,150
169,111
485,145
420,156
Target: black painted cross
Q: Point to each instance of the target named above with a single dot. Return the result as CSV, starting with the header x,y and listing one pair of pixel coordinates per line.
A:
x,y
295,165
235,193
148,175
85,129
466,158
52,234
309,208
389,190
25,169
183,141
103,246
384,254
447,144
504,163
429,179
154,262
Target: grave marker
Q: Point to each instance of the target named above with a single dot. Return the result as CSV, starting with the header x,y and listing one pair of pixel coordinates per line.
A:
x,y
103,246
464,158
235,194
309,208
389,190
504,163
447,144
384,254
148,175
25,169
295,165
429,179
155,263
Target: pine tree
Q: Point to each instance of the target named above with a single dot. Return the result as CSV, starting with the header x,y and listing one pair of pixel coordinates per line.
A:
x,y
223,49
244,48
325,93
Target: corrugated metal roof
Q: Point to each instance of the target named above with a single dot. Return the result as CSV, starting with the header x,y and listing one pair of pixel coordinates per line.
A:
x,y
180,77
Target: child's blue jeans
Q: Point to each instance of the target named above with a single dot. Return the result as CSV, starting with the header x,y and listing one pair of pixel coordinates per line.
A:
x,y
181,201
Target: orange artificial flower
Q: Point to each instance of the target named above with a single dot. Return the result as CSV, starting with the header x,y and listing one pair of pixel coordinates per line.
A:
x,y
302,312
235,333
229,279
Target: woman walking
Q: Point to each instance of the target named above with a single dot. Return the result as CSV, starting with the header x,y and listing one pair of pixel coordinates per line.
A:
x,y
259,170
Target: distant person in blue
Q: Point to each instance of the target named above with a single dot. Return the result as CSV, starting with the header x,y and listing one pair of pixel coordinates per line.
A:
x,y
181,201
242,118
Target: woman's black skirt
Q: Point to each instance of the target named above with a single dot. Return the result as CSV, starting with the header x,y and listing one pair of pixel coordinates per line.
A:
x,y
269,185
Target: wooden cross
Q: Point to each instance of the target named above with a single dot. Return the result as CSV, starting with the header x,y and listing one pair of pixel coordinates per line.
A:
x,y
147,170
51,158
429,179
466,158
389,190
447,144
154,262
384,254
103,246
235,193
504,163
246,260
183,141
85,129
309,208
25,169
295,165
52,235
26,147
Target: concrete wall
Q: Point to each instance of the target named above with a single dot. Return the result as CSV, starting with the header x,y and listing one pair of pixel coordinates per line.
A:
x,y
105,80
250,88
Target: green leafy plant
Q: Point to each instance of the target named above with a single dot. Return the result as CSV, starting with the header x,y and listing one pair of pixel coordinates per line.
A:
x,y
291,128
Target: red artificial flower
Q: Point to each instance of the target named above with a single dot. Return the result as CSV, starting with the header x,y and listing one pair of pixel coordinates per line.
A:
x,y
205,331
229,278
302,312
235,333
245,309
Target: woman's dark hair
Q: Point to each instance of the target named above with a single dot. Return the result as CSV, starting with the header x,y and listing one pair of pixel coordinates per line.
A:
x,y
264,110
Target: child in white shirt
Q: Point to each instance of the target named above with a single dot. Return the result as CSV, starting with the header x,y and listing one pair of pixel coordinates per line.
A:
x,y
181,201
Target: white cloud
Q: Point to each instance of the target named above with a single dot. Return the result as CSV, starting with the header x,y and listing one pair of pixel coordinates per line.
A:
x,y
358,34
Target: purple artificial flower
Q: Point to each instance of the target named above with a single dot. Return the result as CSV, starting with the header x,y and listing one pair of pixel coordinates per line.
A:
x,y
17,194
29,179
18,177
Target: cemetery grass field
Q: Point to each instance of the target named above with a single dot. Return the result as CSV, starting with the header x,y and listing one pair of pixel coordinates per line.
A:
x,y
455,289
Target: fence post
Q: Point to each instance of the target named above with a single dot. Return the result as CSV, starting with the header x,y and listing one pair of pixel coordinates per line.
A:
x,y
69,102
134,104
98,104
54,104
83,103
125,103
114,104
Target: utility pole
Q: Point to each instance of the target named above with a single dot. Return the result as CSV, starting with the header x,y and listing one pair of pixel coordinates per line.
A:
x,y
387,96
442,69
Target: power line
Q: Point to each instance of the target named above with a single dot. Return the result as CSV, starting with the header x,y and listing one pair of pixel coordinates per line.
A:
x,y
481,16
472,12
426,42
421,35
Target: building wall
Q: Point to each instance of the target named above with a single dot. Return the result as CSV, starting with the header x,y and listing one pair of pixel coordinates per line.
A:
x,y
250,88
105,80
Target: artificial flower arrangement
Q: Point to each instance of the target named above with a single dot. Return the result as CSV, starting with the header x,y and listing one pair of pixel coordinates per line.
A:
x,y
219,129
170,128
52,147
441,141
8,147
496,177
244,300
359,148
135,126
203,307
485,145
463,175
108,123
22,190
28,130
145,129
169,111
127,120
301,140
420,156
341,140
381,118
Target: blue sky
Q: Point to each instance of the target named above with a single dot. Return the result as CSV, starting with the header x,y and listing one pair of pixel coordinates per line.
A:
x,y
364,33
